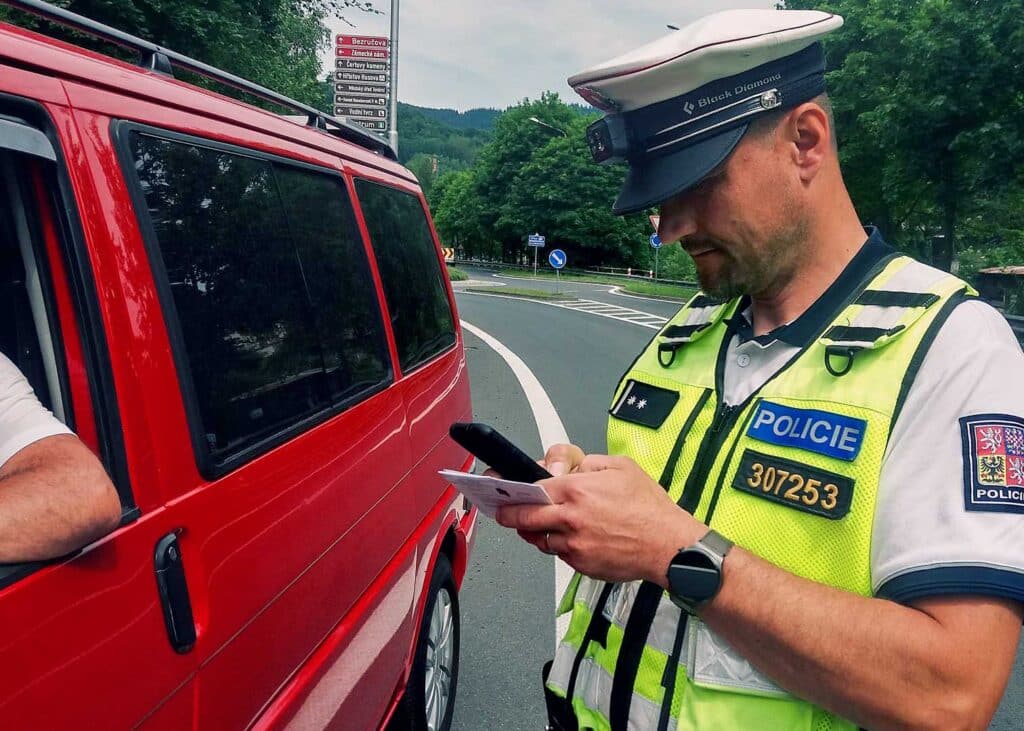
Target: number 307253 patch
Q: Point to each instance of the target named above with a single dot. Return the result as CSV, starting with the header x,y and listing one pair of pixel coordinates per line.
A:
x,y
993,446
794,485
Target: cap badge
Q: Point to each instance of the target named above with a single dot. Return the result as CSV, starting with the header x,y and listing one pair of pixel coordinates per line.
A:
x,y
770,99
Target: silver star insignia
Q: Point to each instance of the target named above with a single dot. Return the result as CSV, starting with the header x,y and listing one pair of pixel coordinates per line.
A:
x,y
643,403
631,400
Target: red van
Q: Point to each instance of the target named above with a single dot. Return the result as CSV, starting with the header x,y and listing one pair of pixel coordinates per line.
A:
x,y
249,321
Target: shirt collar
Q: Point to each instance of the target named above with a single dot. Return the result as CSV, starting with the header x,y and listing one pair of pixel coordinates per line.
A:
x,y
801,331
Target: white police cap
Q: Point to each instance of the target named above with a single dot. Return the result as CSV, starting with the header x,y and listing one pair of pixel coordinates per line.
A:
x,y
678,107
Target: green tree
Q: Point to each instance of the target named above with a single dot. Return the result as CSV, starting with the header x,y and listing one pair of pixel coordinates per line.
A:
x,y
516,141
562,193
460,215
275,43
929,101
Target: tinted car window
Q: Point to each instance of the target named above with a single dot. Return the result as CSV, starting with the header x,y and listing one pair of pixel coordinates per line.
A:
x,y
251,322
411,272
338,277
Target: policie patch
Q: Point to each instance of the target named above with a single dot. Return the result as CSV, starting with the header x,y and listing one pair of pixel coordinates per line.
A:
x,y
833,435
794,485
644,404
993,448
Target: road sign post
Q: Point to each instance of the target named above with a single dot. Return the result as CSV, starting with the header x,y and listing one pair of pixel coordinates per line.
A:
x,y
656,243
536,241
365,79
557,259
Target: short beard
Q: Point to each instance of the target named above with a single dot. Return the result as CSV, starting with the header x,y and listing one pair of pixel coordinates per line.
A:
x,y
761,272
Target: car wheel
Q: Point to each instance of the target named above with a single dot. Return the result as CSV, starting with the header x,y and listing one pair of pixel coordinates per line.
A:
x,y
429,700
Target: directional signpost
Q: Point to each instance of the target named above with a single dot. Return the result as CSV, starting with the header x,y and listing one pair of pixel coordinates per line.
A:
x,y
360,100
352,64
656,243
362,91
536,241
557,259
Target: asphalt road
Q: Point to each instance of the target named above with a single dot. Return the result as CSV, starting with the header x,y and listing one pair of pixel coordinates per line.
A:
x,y
507,599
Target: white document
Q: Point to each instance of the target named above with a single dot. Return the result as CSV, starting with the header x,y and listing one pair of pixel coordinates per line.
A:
x,y
490,493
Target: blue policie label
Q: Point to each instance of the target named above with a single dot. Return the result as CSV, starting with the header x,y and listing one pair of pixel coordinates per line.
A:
x,y
833,435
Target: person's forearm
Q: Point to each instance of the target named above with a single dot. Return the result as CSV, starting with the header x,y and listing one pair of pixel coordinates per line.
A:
x,y
874,662
55,497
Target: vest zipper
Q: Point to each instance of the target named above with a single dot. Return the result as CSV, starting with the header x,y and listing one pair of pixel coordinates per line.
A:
x,y
721,425
728,460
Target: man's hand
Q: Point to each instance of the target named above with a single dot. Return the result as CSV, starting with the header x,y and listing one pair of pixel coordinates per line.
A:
x,y
609,519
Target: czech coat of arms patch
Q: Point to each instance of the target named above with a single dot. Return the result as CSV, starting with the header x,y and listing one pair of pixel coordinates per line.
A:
x,y
993,448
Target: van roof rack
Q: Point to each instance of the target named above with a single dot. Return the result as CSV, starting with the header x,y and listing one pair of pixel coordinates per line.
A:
x,y
163,60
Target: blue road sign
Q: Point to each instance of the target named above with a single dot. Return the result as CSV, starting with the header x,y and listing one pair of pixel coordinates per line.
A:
x,y
536,240
557,258
655,241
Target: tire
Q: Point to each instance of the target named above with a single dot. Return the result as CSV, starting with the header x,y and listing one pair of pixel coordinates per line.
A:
x,y
428,703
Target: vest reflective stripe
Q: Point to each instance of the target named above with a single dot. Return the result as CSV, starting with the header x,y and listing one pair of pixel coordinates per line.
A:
x,y
866,326
593,690
713,663
715,687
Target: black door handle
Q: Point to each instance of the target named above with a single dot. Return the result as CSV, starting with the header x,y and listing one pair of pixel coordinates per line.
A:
x,y
173,589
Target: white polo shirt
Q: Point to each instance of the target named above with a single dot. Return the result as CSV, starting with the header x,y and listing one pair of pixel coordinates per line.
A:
x,y
23,420
936,530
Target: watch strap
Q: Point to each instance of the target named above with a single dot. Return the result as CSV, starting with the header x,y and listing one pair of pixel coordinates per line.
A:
x,y
716,542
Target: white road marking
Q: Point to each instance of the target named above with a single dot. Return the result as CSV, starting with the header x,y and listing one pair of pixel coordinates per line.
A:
x,y
551,431
622,314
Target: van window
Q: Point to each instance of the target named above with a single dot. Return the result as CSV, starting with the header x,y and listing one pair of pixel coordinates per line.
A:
x,y
25,336
337,273
410,270
276,310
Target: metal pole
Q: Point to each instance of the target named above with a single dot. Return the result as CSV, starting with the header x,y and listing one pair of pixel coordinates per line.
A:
x,y
656,252
535,261
393,124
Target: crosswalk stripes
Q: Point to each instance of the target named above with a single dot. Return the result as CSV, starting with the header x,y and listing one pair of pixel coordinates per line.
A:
x,y
615,312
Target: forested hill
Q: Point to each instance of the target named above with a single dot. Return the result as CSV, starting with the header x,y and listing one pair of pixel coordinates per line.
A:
x,y
420,131
454,137
470,119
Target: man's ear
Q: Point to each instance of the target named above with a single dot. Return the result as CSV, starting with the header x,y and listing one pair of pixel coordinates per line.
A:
x,y
809,139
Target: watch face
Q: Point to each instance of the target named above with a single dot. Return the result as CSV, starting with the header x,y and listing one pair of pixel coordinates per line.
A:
x,y
694,579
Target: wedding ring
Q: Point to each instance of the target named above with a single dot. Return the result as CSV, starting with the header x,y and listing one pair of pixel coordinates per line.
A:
x,y
547,544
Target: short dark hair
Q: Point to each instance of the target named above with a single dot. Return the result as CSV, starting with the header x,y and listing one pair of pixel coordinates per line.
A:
x,y
762,126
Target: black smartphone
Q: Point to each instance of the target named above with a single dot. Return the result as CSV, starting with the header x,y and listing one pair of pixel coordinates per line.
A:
x,y
499,453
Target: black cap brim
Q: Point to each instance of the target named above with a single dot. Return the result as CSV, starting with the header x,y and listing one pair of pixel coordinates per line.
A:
x,y
657,179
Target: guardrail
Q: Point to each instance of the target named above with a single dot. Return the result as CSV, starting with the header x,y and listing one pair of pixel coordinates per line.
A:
x,y
644,275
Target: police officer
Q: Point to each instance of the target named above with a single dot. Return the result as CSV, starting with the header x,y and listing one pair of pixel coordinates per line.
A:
x,y
812,516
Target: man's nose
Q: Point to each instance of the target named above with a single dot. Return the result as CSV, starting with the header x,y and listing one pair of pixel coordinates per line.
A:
x,y
678,219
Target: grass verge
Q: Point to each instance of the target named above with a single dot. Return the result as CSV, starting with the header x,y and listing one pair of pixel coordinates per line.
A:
x,y
538,294
457,275
656,289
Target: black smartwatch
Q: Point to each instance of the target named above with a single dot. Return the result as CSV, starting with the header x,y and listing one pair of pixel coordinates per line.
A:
x,y
695,574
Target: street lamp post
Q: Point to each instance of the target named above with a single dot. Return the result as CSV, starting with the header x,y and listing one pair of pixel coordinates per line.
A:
x,y
393,124
551,127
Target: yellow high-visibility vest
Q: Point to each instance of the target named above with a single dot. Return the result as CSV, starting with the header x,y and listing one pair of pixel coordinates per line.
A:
x,y
791,475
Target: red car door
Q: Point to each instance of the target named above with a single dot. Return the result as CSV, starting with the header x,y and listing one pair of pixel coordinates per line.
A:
x,y
86,642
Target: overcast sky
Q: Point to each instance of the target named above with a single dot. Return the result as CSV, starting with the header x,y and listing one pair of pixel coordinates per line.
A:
x,y
463,54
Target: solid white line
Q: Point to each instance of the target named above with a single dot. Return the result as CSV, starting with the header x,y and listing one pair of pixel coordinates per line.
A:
x,y
551,431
